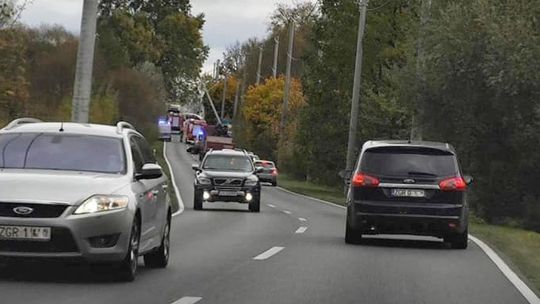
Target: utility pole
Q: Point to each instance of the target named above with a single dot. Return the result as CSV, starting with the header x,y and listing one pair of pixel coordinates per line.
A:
x,y
236,99
286,93
224,96
82,89
356,87
276,54
259,65
416,129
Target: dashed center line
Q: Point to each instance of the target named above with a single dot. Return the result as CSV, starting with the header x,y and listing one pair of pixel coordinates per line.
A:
x,y
188,300
270,205
301,219
287,212
301,230
268,253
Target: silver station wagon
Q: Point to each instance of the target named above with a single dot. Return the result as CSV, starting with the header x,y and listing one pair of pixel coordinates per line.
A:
x,y
84,192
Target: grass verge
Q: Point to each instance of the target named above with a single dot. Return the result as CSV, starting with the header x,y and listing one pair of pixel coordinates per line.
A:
x,y
158,147
520,248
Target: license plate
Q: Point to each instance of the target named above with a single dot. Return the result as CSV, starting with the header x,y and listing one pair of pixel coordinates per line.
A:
x,y
24,233
228,193
408,193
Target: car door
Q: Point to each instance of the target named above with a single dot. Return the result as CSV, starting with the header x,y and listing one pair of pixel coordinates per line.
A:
x,y
145,198
156,195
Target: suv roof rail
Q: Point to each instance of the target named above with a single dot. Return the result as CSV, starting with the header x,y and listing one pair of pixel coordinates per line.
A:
x,y
120,126
21,121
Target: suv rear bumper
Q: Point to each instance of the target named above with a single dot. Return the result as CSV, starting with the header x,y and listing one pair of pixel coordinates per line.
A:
x,y
408,218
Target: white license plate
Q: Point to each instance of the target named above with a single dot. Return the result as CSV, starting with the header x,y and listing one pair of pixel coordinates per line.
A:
x,y
228,193
408,193
24,233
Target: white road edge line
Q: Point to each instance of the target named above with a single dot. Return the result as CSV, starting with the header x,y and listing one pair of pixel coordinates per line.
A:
x,y
525,291
508,273
270,205
188,300
176,191
287,212
301,230
301,219
268,253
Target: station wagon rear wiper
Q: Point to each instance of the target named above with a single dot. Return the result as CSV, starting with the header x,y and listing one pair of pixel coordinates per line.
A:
x,y
421,173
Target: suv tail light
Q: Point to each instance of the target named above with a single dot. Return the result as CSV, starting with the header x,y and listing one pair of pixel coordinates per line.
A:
x,y
274,171
363,180
453,184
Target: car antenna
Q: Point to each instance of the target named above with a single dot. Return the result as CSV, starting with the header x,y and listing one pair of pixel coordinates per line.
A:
x,y
61,127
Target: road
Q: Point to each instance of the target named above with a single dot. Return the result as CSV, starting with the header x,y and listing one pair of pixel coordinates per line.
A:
x,y
291,252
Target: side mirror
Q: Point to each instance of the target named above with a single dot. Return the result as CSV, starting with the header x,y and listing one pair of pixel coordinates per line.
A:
x,y
468,179
195,167
150,171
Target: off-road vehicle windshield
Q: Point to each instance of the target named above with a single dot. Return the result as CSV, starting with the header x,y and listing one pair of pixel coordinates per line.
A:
x,y
61,152
228,163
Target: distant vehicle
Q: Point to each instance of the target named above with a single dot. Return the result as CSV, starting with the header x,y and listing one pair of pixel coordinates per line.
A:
x,y
97,194
268,172
175,121
192,128
164,127
408,188
209,138
227,176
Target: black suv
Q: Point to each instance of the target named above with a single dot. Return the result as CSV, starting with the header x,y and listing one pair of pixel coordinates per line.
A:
x,y
227,176
400,187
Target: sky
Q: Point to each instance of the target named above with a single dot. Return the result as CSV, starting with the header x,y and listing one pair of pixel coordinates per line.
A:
x,y
227,21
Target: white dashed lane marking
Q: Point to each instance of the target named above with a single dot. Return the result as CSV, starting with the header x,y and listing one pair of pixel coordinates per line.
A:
x,y
301,230
188,300
268,253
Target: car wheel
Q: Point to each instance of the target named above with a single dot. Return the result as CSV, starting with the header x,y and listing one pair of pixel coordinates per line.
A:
x,y
274,184
352,236
128,267
160,258
458,241
197,203
255,206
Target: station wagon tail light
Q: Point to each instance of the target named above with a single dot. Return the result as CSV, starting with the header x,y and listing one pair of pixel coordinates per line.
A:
x,y
453,184
364,180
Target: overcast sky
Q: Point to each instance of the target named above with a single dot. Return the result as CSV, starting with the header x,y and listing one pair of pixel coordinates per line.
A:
x,y
227,21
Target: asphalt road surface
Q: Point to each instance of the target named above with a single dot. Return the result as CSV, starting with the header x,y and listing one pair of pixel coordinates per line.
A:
x,y
291,252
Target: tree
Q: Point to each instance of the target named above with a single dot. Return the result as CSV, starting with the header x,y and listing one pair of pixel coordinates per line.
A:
x,y
261,114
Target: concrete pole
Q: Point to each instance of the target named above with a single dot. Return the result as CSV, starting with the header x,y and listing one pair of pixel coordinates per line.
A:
x,y
224,96
259,65
82,89
353,127
276,54
286,93
236,99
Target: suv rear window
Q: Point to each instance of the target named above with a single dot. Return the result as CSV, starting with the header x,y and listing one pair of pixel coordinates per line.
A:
x,y
408,161
62,152
265,164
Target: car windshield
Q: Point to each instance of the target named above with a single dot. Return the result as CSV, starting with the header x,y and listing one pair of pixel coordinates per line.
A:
x,y
62,152
228,163
408,162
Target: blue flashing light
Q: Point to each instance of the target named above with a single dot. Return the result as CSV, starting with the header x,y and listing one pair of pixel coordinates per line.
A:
x,y
163,122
